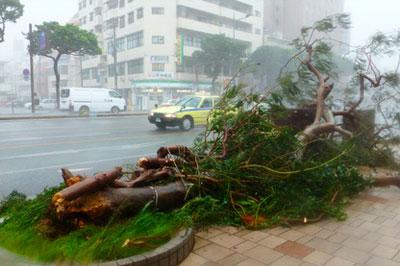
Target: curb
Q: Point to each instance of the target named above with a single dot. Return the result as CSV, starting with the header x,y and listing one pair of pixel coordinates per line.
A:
x,y
172,253
5,118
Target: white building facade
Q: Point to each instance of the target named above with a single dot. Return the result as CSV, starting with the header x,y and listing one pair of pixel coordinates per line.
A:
x,y
154,41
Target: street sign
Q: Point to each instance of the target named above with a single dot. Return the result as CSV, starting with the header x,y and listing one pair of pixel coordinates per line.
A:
x,y
42,41
26,74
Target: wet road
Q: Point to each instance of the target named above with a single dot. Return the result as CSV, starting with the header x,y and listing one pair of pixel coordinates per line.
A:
x,y
33,151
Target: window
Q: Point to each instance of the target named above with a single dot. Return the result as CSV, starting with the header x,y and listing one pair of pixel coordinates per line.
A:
x,y
114,94
188,40
110,47
120,44
207,103
158,67
111,23
86,74
64,93
121,69
197,42
112,4
157,11
122,22
121,3
258,31
194,102
111,70
258,13
91,16
135,66
98,11
84,20
130,1
135,40
131,17
90,2
158,39
95,73
84,3
80,5
139,13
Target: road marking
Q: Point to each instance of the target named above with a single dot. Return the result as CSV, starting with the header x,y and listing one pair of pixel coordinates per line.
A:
x,y
71,165
78,170
75,151
130,137
54,137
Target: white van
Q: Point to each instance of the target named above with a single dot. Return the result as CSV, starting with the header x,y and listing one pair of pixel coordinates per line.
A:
x,y
85,100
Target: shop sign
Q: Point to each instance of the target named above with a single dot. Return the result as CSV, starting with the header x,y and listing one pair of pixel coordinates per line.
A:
x,y
161,59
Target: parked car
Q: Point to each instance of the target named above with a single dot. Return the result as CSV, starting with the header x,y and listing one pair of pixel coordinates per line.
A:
x,y
84,100
48,104
186,113
28,105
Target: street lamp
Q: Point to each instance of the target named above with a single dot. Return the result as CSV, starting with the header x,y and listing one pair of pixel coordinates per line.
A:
x,y
235,22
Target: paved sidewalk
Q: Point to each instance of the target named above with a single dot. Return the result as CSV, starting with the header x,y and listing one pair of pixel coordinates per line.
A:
x,y
370,236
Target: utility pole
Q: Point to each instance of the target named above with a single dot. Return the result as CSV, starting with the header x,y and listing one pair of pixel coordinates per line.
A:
x,y
115,55
31,66
80,69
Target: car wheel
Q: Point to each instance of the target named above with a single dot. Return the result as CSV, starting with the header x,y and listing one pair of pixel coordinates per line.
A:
x,y
187,123
84,110
115,110
161,126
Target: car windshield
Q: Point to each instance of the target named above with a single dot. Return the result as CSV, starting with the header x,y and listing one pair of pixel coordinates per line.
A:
x,y
183,100
65,93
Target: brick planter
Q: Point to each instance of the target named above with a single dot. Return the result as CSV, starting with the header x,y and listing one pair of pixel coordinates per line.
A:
x,y
170,254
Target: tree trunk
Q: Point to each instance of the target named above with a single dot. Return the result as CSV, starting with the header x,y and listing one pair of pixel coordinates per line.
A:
x,y
87,185
98,207
57,74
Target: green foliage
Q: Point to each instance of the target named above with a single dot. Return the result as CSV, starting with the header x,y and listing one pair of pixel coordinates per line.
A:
x,y
66,39
19,233
258,170
218,53
10,11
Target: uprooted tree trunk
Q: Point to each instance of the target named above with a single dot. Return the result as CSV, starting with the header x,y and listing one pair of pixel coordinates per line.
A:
x,y
324,121
97,207
98,197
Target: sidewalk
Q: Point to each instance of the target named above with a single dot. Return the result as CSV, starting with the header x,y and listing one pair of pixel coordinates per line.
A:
x,y
370,236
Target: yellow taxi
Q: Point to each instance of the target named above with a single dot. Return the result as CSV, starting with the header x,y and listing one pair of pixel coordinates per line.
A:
x,y
188,112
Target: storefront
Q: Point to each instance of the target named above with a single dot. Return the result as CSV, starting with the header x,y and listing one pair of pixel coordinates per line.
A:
x,y
148,93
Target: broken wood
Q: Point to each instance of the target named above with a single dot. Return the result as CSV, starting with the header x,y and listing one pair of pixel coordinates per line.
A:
x,y
148,176
178,150
386,181
88,185
99,206
156,163
69,178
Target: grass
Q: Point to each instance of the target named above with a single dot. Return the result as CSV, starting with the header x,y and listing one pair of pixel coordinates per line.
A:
x,y
20,234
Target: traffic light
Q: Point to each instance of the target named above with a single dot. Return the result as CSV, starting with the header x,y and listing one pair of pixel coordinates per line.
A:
x,y
179,49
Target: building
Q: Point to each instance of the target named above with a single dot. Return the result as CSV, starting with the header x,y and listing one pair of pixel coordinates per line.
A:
x,y
147,45
283,19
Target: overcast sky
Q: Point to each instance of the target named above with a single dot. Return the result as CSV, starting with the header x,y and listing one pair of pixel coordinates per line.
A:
x,y
368,16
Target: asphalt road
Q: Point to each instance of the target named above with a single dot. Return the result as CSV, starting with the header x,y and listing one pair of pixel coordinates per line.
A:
x,y
33,151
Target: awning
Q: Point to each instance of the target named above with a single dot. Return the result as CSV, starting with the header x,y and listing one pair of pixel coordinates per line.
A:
x,y
169,84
